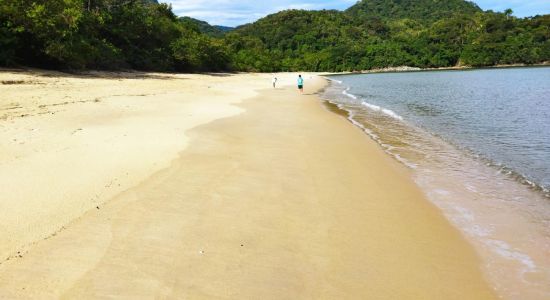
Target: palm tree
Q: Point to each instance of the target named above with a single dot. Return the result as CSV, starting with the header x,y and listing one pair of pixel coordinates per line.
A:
x,y
508,13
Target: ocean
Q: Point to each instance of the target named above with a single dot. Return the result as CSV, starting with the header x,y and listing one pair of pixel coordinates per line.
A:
x,y
478,144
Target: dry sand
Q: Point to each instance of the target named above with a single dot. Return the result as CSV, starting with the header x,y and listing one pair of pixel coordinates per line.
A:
x,y
274,198
71,143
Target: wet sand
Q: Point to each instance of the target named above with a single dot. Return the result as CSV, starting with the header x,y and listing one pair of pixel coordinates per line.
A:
x,y
277,198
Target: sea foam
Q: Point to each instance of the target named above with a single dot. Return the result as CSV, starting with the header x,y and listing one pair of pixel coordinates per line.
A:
x,y
385,111
333,80
352,96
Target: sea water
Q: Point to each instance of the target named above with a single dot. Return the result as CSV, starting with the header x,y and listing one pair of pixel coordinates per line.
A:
x,y
478,145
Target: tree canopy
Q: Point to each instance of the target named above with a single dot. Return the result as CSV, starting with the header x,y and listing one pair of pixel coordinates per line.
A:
x,y
425,11
104,34
146,35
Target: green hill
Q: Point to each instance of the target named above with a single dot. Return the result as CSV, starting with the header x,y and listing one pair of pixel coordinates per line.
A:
x,y
145,35
422,10
379,33
104,34
224,28
204,27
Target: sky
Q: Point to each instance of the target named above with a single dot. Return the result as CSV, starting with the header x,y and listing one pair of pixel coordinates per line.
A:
x,y
238,12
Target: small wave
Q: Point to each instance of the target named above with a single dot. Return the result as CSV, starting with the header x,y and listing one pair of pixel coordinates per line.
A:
x,y
392,114
385,111
387,148
402,160
506,171
371,106
505,250
497,246
337,81
352,96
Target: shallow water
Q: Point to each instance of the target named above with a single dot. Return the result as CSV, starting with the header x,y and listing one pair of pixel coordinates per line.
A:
x,y
479,146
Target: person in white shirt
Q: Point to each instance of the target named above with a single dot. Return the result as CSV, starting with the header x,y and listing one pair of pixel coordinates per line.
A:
x,y
274,82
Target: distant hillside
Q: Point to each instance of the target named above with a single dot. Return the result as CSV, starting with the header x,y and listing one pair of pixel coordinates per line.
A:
x,y
291,29
224,28
422,10
390,33
144,35
205,27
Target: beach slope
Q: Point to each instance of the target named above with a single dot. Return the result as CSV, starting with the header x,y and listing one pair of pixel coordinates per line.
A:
x,y
277,198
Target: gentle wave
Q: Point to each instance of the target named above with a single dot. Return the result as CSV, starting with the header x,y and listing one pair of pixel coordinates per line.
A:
x,y
518,177
352,96
501,168
371,106
387,148
334,80
497,246
385,111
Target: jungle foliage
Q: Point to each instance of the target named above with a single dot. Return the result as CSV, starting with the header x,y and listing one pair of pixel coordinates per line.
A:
x,y
390,33
145,35
104,34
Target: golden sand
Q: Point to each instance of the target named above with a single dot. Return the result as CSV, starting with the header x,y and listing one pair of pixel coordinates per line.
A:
x,y
283,201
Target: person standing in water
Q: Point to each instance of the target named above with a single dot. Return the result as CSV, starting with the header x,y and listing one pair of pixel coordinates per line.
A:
x,y
301,83
274,82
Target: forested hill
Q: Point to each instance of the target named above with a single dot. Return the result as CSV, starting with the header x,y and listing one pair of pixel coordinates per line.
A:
x,y
388,33
204,27
421,10
145,35
104,34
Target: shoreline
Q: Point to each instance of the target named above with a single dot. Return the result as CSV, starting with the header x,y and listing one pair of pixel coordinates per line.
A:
x,y
232,215
407,69
517,176
512,252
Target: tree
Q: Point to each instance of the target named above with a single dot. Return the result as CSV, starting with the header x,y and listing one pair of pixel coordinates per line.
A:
x,y
508,12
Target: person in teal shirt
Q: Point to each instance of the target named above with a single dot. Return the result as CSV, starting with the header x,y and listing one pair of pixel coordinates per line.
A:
x,y
301,83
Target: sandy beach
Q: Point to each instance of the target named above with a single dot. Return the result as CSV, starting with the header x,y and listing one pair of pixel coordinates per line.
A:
x,y
145,186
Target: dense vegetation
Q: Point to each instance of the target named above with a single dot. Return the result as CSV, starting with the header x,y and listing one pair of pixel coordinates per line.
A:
x,y
145,35
425,11
204,27
104,34
385,33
